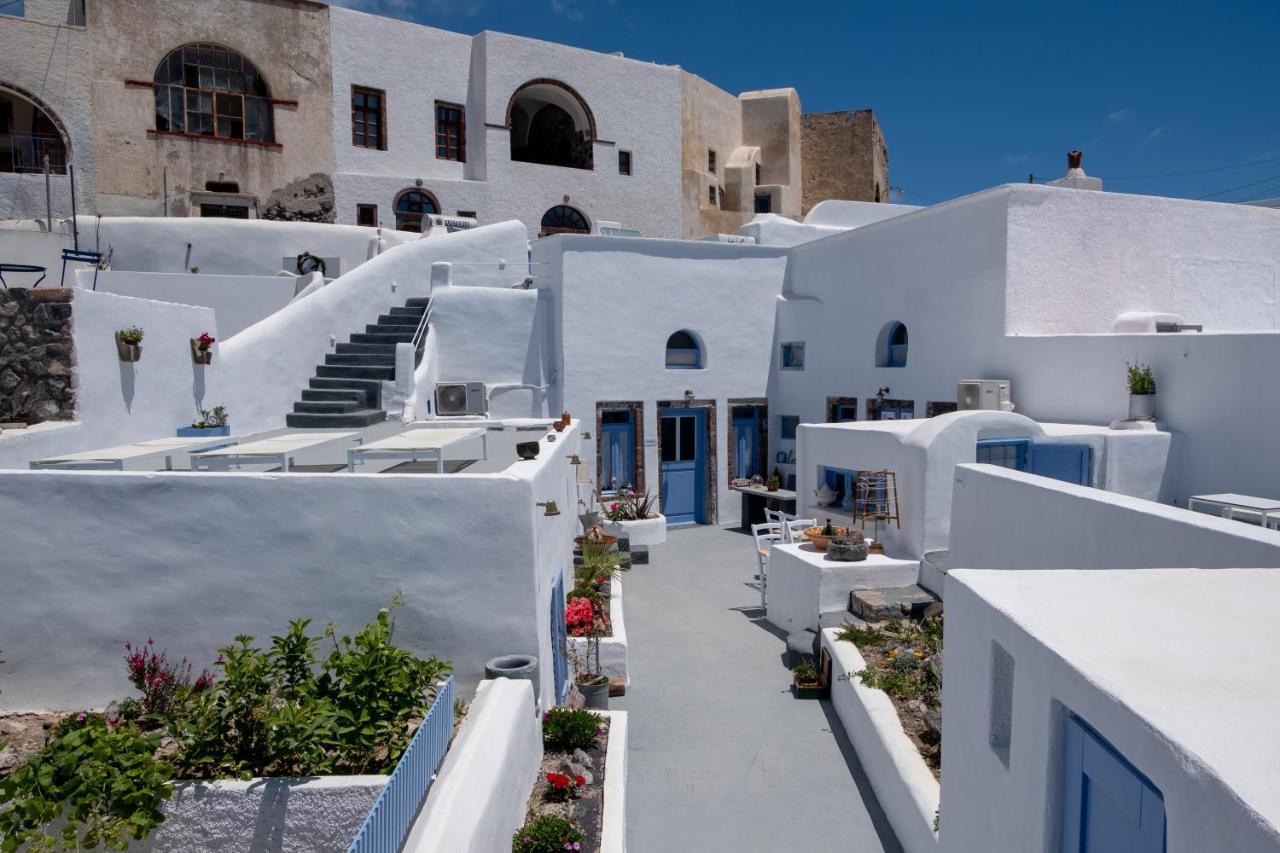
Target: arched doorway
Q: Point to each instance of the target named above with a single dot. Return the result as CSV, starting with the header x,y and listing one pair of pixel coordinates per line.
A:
x,y
29,133
563,219
551,124
411,206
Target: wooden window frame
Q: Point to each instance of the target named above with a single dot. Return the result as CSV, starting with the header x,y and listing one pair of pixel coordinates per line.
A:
x,y
459,145
363,208
629,170
381,112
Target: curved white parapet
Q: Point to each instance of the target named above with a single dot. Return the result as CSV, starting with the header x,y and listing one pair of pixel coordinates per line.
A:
x,y
646,531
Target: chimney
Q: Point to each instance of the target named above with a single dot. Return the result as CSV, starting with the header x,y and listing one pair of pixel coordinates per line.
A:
x,y
1075,178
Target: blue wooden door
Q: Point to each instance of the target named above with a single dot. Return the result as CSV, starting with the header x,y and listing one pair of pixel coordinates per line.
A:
x,y
1108,806
559,640
1067,462
683,456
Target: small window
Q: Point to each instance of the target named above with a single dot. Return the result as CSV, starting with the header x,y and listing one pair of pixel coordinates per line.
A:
x,y
451,132
711,161
624,162
1007,453
789,424
933,408
368,118
470,214
210,186
720,197
764,203
411,206
757,174
892,350
793,356
225,211
683,351
711,195
367,214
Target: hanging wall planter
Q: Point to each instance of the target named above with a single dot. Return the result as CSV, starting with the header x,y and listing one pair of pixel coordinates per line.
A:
x,y
129,344
1142,392
202,348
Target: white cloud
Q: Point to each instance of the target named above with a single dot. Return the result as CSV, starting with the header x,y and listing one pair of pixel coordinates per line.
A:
x,y
410,9
1120,116
1153,135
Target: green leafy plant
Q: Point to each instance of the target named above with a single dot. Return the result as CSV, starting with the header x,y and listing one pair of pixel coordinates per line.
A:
x,y
567,729
212,418
545,834
1141,380
131,335
805,672
630,505
598,561
97,776
901,655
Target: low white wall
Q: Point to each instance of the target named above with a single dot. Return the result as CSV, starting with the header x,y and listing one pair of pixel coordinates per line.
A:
x,y
478,799
238,301
613,830
803,584
613,649
1003,519
282,815
25,241
903,783
193,559
118,402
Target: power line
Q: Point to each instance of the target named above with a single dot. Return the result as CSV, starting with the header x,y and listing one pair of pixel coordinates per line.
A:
x,y
906,191
1195,171
1233,189
1261,194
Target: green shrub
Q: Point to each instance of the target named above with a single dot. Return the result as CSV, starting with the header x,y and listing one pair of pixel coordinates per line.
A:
x,y
567,729
98,774
899,656
545,834
1141,380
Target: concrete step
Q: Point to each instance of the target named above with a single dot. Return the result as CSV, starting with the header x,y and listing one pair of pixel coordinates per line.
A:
x,y
397,328
382,336
355,371
328,407
345,395
414,311
895,602
389,347
361,358
359,418
418,302
372,389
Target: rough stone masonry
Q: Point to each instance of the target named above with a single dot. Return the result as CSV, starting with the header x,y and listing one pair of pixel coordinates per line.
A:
x,y
37,356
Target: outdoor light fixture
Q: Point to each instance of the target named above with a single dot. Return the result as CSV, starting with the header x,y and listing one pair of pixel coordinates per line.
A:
x,y
551,507
574,460
688,395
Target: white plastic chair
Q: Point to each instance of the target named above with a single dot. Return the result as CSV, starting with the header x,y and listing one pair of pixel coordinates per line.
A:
x,y
774,516
793,529
766,536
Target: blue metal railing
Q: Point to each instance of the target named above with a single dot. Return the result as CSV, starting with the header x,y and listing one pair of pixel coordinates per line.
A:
x,y
383,831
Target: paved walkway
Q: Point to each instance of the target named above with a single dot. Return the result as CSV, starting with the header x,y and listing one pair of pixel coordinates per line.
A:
x,y
722,757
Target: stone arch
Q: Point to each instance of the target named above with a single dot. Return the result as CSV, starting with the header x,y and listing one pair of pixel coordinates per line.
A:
x,y
34,134
550,123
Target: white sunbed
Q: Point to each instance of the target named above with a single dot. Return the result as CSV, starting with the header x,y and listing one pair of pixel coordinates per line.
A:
x,y
279,448
113,458
415,445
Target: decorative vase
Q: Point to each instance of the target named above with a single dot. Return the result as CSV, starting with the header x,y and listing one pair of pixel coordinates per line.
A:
x,y
564,417
200,356
595,693
589,519
843,550
821,542
1142,407
128,352
558,426
825,495
527,450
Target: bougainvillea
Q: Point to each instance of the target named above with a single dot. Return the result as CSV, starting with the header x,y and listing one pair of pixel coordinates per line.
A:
x,y
579,616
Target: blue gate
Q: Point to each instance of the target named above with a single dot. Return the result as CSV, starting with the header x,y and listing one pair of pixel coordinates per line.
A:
x,y
559,640
1108,806
1067,462
384,830
684,467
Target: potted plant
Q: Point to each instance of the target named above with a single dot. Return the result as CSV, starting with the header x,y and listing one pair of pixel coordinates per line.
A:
x,y
775,480
212,422
129,343
1142,392
806,683
821,535
202,348
634,515
583,619
850,548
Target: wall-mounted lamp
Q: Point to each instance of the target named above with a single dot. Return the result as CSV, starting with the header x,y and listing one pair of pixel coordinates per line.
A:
x,y
551,508
688,395
574,460
882,392
586,436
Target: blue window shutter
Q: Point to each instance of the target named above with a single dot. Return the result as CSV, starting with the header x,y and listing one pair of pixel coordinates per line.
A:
x,y
559,640
1108,806
1067,462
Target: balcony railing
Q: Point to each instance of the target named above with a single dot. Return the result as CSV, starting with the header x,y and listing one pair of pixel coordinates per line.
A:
x,y
24,153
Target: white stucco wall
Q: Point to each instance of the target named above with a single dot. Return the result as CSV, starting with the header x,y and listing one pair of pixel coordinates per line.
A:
x,y
238,301
618,301
1184,706
478,799
1003,519
192,559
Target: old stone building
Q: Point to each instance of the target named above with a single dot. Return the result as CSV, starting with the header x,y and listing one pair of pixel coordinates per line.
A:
x,y
844,156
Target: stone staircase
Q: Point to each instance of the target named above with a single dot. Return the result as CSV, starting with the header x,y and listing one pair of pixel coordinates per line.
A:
x,y
347,389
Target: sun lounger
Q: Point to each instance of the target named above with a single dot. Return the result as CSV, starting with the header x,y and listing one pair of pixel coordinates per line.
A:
x,y
416,445
113,458
279,449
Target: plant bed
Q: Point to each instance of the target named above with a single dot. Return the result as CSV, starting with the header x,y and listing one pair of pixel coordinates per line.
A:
x,y
579,796
613,646
286,711
634,516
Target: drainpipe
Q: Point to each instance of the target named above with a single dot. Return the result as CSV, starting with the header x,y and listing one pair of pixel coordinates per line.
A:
x,y
48,198
75,228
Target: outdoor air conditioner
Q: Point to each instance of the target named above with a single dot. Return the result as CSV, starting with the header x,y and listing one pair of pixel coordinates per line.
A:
x,y
434,224
462,398
990,394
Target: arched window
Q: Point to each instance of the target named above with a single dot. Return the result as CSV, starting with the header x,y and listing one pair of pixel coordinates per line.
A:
x,y
29,134
411,206
891,346
551,124
211,90
683,351
563,219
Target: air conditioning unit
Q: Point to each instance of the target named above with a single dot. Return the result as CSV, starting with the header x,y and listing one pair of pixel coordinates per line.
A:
x,y
434,224
461,398
992,394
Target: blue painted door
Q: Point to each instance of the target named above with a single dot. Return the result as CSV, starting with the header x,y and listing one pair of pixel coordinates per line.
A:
x,y
1108,806
683,456
1067,462
559,640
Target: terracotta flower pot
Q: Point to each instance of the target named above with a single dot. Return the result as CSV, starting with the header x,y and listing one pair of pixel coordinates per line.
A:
x,y
200,356
557,426
814,535
128,352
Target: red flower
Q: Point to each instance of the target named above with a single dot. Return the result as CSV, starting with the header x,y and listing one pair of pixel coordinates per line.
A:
x,y
613,507
580,780
559,781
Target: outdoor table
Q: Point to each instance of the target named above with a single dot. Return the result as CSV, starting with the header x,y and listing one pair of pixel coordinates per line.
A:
x,y
1264,508
756,498
31,268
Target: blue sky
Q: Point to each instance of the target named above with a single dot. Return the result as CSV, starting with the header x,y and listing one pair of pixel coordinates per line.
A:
x,y
973,94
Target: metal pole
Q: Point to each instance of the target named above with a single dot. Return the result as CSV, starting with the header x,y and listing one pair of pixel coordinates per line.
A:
x,y
48,198
75,229
166,190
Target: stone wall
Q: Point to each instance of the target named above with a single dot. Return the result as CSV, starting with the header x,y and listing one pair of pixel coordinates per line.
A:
x,y
844,157
36,356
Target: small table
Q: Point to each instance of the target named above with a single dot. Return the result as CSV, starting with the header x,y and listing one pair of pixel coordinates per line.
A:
x,y
755,498
1231,503
31,268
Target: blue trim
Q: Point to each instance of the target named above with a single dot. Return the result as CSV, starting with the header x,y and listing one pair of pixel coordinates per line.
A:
x,y
787,427
1003,451
559,640
1070,463
1109,806
698,466
842,480
895,354
792,356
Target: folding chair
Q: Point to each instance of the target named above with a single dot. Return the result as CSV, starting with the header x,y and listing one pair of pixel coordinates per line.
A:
x,y
79,256
766,536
